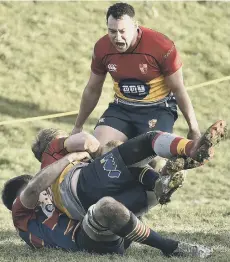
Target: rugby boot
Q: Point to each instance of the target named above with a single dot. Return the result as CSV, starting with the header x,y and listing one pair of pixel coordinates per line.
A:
x,y
176,164
166,185
201,152
202,149
194,250
190,163
173,165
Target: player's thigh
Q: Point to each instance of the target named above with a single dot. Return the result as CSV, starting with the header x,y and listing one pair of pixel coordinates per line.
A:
x,y
118,119
104,133
106,176
94,238
134,198
165,120
161,119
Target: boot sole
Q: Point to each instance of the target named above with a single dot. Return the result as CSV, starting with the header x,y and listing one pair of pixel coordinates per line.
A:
x,y
175,182
213,135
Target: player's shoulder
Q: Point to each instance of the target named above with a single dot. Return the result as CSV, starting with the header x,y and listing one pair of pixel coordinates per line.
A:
x,y
17,204
21,214
154,38
102,46
154,35
103,41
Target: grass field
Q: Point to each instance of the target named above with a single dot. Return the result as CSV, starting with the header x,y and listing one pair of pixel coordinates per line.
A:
x,y
45,52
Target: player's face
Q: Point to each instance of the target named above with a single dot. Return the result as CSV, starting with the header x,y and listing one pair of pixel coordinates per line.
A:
x,y
122,32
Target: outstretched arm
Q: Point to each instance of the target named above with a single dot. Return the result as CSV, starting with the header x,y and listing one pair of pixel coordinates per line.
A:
x,y
175,83
82,141
89,100
43,179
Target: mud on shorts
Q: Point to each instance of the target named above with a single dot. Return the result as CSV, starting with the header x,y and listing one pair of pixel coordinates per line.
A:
x,y
135,120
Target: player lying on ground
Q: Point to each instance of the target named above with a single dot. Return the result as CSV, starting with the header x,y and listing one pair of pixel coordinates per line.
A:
x,y
108,226
52,144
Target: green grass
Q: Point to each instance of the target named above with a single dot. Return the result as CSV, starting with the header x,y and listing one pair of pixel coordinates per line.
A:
x,y
45,51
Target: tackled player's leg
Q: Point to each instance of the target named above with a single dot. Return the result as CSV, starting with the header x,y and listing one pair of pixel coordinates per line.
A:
x,y
109,227
110,174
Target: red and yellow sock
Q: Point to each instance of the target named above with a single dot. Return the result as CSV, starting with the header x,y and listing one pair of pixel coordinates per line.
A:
x,y
168,145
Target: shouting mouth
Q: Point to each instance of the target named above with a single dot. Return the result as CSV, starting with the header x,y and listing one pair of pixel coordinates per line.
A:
x,y
120,45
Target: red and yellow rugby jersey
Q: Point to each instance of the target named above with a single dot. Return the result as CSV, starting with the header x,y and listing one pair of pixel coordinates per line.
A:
x,y
138,73
55,151
44,226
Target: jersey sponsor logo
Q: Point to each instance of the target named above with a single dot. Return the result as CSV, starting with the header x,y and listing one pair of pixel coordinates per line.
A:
x,y
134,88
143,68
110,166
112,68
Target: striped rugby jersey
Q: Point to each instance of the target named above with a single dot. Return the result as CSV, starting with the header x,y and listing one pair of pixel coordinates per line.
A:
x,y
138,74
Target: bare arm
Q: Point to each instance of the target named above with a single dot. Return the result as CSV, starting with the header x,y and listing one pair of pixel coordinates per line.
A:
x,y
43,179
176,84
89,100
82,141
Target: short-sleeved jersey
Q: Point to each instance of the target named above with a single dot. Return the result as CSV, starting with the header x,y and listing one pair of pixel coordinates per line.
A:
x,y
138,73
44,226
54,151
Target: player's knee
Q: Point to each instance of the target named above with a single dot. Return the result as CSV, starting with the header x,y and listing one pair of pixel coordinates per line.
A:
x,y
152,134
106,206
110,212
103,209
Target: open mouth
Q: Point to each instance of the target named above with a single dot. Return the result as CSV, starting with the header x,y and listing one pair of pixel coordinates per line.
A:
x,y
120,45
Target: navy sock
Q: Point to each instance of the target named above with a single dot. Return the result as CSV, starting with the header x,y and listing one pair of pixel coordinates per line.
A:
x,y
138,149
146,176
136,231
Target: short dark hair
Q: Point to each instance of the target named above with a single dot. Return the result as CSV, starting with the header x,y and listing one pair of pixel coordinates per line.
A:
x,y
11,189
43,138
119,9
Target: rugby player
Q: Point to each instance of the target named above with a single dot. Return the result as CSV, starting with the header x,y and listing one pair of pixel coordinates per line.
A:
x,y
108,226
147,75
91,178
